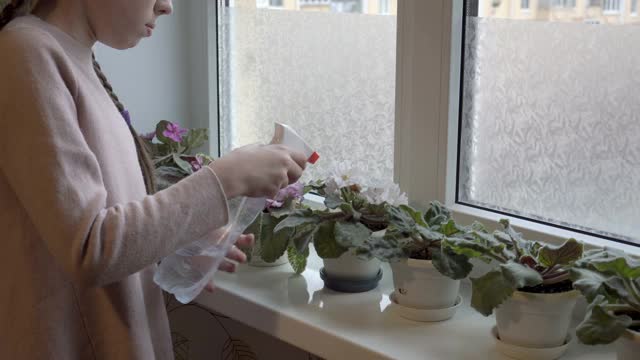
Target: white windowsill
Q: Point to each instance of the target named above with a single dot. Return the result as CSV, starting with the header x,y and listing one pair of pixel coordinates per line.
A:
x,y
297,309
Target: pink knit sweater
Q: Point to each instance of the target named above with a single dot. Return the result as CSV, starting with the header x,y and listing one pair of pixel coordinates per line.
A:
x,y
79,235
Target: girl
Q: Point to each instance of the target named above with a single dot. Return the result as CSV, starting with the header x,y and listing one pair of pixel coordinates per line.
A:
x,y
82,227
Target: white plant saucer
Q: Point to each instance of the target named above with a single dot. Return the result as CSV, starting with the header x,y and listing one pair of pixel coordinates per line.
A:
x,y
527,353
424,315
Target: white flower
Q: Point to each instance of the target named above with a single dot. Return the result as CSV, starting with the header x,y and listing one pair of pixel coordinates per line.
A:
x,y
389,193
342,175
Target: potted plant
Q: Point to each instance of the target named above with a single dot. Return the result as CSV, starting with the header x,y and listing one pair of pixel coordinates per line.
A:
x,y
610,280
425,276
270,248
530,290
353,212
173,154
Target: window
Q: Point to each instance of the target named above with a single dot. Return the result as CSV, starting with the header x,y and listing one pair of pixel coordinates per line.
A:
x,y
595,3
318,67
611,6
384,6
524,4
634,7
275,3
564,3
542,136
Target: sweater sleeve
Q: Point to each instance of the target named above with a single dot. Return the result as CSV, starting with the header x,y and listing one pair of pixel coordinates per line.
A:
x,y
58,181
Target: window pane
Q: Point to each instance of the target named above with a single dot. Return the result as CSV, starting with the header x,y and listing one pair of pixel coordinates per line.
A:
x,y
327,68
550,122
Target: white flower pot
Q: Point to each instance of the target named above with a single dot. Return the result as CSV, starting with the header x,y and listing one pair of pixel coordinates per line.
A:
x,y
536,320
628,346
419,285
350,267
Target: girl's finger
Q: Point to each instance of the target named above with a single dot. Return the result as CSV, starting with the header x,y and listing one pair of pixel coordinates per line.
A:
x,y
210,287
246,240
227,266
237,255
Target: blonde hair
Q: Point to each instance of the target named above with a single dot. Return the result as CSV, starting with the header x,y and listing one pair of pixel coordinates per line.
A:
x,y
15,8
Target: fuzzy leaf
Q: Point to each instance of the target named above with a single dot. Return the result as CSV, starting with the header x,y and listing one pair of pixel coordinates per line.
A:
x,y
182,164
601,327
332,201
429,234
489,291
298,218
564,254
621,266
272,245
385,249
325,243
520,276
195,138
350,235
437,214
492,289
466,247
588,282
301,236
449,228
451,264
298,260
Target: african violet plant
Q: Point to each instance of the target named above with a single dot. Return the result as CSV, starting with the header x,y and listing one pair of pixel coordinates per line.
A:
x,y
352,213
524,265
610,280
272,245
412,234
172,154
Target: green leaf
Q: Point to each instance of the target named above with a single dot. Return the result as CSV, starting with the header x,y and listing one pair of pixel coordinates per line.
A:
x,y
429,234
437,214
332,201
414,214
272,245
602,327
298,260
325,243
450,264
182,164
301,236
520,276
351,235
564,254
298,218
489,291
160,128
385,249
236,349
194,139
449,228
588,282
621,266
492,289
465,247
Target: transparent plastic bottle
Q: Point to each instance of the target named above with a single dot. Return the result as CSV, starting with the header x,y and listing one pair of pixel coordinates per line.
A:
x,y
186,272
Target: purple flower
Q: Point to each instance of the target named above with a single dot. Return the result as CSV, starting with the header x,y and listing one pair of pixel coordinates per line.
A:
x,y
291,192
174,132
197,163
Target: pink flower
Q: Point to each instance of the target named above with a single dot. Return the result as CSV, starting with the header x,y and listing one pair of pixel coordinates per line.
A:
x,y
197,163
291,192
174,132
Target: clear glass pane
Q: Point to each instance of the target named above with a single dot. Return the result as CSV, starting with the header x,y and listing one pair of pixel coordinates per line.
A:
x,y
550,127
327,68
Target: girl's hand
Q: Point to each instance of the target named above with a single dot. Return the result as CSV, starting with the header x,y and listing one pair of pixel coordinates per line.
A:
x,y
235,255
258,170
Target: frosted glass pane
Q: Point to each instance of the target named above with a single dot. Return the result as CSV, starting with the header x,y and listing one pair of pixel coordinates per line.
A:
x,y
329,75
551,123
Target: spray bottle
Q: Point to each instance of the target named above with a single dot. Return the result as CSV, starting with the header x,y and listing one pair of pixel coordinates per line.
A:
x,y
186,272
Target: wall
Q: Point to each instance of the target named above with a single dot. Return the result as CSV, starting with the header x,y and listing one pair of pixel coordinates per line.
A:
x,y
152,79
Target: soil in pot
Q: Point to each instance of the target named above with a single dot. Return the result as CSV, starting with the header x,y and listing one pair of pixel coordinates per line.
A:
x,y
560,287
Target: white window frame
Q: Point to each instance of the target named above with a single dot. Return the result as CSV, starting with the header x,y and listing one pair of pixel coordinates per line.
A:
x,y
608,10
427,103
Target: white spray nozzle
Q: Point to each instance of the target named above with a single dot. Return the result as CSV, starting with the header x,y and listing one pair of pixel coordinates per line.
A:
x,y
285,135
